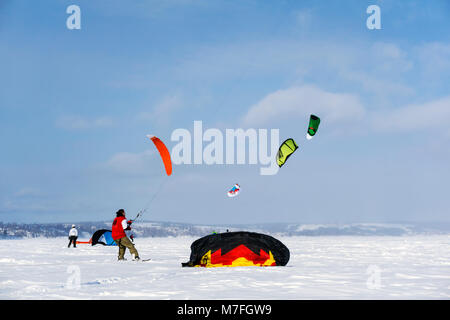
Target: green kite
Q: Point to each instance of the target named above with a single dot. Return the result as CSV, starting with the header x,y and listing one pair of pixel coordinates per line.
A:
x,y
314,122
286,149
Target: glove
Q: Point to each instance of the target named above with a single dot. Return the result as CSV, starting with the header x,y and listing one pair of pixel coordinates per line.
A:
x,y
130,221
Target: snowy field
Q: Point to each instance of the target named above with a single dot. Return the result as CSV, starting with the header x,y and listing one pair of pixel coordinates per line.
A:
x,y
344,267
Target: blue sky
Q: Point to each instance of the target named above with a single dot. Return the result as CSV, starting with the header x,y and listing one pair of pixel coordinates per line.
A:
x,y
76,106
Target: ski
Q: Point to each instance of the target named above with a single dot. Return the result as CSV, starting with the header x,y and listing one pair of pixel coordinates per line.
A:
x,y
142,260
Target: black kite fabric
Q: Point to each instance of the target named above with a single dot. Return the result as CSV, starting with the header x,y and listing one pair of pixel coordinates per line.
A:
x,y
239,248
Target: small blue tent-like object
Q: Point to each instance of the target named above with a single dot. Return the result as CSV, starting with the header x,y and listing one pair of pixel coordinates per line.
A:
x,y
103,237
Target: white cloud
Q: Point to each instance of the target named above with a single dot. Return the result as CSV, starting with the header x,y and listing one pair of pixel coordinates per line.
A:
x,y
430,115
28,192
380,68
163,110
392,53
300,102
75,122
26,199
434,57
381,87
131,163
304,17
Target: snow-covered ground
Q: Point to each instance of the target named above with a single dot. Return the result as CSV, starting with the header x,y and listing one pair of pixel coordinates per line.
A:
x,y
343,267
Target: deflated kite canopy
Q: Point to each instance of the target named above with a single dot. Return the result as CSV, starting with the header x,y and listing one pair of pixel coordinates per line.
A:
x,y
313,126
163,152
241,248
286,149
104,237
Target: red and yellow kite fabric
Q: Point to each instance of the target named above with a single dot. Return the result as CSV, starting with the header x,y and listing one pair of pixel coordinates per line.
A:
x,y
233,249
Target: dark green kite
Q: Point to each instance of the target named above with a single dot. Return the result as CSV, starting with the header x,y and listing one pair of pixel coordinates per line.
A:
x,y
314,122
